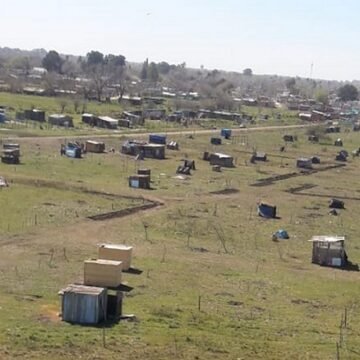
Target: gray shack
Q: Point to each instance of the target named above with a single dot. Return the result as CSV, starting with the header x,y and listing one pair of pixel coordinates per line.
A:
x,y
61,120
221,160
82,304
329,250
143,149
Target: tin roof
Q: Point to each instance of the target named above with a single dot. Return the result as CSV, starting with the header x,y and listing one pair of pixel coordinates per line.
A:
x,y
82,289
327,238
116,246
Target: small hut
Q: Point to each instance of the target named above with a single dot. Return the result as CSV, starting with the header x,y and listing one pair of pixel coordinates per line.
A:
x,y
83,304
329,250
215,141
94,146
338,142
61,120
336,204
304,163
221,159
139,181
104,273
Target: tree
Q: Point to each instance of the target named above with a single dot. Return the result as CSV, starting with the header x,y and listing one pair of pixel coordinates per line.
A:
x,y
52,62
144,70
153,74
247,72
348,92
322,96
163,68
94,58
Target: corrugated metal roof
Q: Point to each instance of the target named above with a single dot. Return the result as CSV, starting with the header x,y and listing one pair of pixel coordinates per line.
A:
x,y
82,289
327,238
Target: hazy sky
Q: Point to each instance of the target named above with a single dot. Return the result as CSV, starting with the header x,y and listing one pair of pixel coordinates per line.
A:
x,y
270,36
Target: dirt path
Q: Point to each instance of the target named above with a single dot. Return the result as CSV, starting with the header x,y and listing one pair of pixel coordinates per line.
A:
x,y
135,134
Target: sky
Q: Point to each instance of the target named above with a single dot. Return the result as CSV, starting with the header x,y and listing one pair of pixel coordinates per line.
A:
x,y
307,38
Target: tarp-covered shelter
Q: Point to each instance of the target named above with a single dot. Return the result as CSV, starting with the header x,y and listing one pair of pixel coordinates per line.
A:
x,y
221,159
226,133
329,250
266,210
304,163
336,204
338,142
73,150
157,139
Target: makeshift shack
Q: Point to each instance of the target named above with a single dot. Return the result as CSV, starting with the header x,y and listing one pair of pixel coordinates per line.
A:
x,y
94,146
173,145
106,122
338,142
144,172
315,160
336,204
139,181
226,133
266,210
35,114
221,159
215,141
313,138
329,250
83,304
105,273
88,119
190,164
341,156
289,138
10,154
72,150
116,252
304,163
260,156
145,150
332,129
61,120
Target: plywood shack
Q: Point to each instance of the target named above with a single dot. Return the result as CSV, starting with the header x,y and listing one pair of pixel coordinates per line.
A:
x,y
83,304
117,252
105,273
61,120
94,146
329,250
304,163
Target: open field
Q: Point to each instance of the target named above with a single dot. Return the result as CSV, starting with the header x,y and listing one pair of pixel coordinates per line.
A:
x,y
214,285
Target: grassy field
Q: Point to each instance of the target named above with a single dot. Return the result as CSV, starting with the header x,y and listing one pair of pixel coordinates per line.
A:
x,y
214,284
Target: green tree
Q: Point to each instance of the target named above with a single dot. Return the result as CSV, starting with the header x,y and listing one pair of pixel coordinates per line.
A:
x,y
153,74
322,96
163,67
94,58
144,70
348,92
52,62
247,72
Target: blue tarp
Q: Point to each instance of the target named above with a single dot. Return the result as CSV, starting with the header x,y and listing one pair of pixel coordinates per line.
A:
x,y
282,234
226,133
266,210
157,139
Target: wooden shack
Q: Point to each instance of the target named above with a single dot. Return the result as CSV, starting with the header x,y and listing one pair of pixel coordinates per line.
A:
x,y
117,252
329,250
35,114
94,146
83,304
139,181
144,172
105,273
